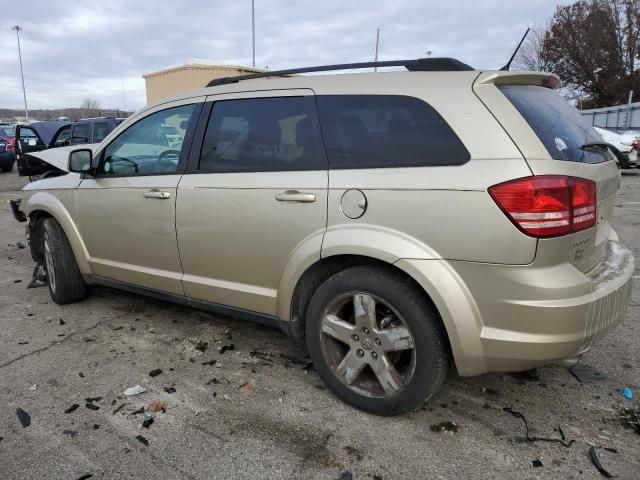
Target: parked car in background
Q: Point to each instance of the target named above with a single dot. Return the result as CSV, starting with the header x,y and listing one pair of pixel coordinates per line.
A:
x,y
7,147
52,134
391,227
626,146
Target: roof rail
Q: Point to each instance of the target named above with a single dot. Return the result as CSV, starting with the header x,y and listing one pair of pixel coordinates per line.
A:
x,y
443,64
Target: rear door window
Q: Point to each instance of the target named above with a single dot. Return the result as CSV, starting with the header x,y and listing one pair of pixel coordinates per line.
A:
x,y
80,134
100,131
559,126
63,137
375,131
263,134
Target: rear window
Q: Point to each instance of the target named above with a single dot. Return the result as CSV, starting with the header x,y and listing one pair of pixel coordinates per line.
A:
x,y
376,131
558,125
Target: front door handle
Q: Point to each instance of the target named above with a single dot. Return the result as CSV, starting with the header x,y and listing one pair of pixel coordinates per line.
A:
x,y
295,196
156,194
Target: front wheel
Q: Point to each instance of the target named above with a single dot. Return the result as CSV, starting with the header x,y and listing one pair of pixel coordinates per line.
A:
x,y
376,341
65,281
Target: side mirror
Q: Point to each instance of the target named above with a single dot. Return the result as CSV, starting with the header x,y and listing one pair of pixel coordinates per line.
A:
x,y
80,160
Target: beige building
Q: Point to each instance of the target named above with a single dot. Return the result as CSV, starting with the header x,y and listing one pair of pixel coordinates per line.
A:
x,y
170,81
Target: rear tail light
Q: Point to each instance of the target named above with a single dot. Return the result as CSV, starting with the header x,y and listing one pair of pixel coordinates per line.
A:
x,y
634,144
548,205
9,147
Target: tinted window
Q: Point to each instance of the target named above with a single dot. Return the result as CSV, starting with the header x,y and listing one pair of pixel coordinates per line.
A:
x,y
63,137
145,148
81,134
557,124
100,131
262,134
386,131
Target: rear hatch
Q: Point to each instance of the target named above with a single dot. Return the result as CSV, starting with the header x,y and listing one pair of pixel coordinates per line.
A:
x,y
555,140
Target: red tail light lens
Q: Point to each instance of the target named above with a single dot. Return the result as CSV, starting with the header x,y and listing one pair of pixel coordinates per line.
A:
x,y
548,206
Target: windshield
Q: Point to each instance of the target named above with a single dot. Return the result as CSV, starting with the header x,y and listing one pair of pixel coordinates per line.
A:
x,y
558,125
7,132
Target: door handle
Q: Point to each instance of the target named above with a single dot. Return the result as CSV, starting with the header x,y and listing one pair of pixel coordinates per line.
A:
x,y
295,196
156,194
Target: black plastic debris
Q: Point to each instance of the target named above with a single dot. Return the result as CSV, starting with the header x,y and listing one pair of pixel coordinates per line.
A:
x,y
119,408
147,422
536,463
96,426
226,348
586,374
38,277
305,363
170,390
92,399
446,426
62,322
155,372
210,362
24,417
630,417
71,433
17,281
201,346
23,343
72,408
346,475
20,245
596,462
213,381
91,406
612,450
81,375
142,440
118,328
562,441
86,476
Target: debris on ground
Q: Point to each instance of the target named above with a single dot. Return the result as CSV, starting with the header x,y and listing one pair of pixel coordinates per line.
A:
x,y
226,397
62,322
119,408
213,381
262,356
146,423
246,386
346,475
526,376
536,463
226,348
155,372
24,417
210,362
72,408
142,440
169,389
627,393
92,399
81,375
596,462
305,363
562,440
134,390
86,476
20,245
71,433
92,406
157,406
38,277
630,417
33,387
446,426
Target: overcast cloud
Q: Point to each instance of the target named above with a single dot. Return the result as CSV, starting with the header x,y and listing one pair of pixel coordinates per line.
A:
x,y
73,50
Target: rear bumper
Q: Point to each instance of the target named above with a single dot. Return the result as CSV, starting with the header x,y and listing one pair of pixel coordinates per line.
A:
x,y
520,317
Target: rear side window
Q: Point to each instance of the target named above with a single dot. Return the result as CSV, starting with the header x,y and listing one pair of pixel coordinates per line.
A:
x,y
262,134
80,134
558,125
100,131
374,131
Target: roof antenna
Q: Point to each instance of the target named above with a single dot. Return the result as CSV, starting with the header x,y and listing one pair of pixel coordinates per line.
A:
x,y
508,65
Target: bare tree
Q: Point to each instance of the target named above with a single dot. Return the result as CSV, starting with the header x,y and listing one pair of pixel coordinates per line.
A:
x,y
531,54
90,107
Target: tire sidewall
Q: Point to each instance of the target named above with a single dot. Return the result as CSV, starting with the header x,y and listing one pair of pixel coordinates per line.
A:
x,y
420,319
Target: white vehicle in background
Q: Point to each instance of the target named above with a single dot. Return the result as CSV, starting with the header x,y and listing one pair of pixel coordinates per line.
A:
x,y
626,144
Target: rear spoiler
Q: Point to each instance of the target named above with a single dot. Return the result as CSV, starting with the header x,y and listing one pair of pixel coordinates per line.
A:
x,y
541,79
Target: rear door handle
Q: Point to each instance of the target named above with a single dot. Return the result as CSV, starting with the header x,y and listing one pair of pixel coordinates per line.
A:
x,y
157,194
295,196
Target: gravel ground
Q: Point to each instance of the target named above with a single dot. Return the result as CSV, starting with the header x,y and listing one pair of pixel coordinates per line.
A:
x,y
265,415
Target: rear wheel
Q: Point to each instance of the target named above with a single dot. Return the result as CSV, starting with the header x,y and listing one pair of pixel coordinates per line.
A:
x,y
7,167
66,284
376,341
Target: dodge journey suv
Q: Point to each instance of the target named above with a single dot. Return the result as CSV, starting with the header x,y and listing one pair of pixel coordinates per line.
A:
x,y
396,221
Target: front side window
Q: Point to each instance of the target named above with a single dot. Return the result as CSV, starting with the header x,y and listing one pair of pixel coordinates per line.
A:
x,y
377,131
151,146
29,138
262,134
63,137
100,131
80,134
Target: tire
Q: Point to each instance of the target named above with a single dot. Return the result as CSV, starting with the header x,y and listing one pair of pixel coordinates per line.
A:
x,y
403,319
66,284
7,168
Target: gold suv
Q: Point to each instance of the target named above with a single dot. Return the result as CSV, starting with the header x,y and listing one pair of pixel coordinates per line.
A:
x,y
396,220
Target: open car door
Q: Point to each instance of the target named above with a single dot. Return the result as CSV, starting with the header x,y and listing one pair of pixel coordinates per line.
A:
x,y
34,138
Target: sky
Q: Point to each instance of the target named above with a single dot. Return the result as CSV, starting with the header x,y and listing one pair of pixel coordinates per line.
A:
x,y
73,50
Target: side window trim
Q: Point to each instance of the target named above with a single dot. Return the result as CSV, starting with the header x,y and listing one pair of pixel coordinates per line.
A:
x,y
184,154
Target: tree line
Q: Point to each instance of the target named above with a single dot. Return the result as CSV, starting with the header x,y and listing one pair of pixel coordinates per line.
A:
x,y
593,46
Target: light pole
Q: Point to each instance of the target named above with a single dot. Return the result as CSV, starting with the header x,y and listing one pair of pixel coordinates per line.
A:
x,y
253,32
18,29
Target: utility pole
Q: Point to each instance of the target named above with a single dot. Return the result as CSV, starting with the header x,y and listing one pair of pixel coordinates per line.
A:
x,y
18,29
253,31
375,69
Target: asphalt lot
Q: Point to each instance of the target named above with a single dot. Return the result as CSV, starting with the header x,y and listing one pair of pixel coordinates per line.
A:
x,y
282,423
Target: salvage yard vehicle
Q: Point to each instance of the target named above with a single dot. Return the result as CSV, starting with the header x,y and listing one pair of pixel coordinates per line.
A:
x,y
7,151
625,145
397,221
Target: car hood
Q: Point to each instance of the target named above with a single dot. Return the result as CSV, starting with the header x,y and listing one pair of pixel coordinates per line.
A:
x,y
59,157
